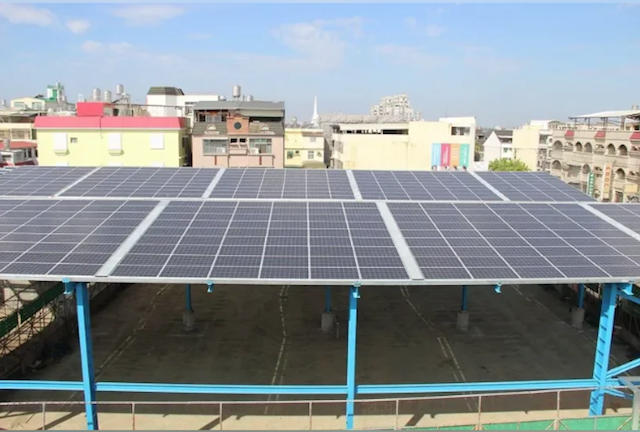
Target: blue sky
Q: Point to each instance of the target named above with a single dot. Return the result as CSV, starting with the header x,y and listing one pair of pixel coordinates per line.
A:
x,y
503,63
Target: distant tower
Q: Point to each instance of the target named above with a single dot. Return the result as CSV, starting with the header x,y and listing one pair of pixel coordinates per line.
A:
x,y
315,119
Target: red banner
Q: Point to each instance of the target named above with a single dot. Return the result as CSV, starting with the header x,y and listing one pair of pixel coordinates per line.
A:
x,y
445,155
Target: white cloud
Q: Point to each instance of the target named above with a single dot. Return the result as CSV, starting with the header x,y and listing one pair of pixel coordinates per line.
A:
x,y
320,42
91,46
410,55
24,14
148,15
434,30
78,26
410,22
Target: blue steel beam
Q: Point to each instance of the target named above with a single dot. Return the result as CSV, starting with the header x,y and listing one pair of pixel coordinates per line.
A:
x,y
86,354
41,385
581,296
619,393
603,347
463,303
188,298
223,389
327,299
623,368
351,353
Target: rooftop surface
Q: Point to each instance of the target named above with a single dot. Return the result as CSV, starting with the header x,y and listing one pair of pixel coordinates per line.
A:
x,y
237,105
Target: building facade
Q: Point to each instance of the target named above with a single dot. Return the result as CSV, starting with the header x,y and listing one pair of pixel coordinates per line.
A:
x,y
395,105
304,148
238,134
96,137
448,143
600,154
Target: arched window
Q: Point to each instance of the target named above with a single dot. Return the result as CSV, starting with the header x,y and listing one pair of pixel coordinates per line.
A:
x,y
611,149
556,165
586,169
557,146
578,147
622,150
620,174
588,148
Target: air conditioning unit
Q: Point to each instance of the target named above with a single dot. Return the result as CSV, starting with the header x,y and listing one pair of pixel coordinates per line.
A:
x,y
254,151
221,150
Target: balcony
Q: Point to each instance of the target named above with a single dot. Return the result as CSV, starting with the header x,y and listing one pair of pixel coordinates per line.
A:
x,y
581,157
618,184
557,154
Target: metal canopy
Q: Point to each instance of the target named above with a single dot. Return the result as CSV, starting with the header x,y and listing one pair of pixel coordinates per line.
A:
x,y
285,184
305,243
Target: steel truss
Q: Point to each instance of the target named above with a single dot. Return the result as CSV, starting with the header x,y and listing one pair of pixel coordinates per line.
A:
x,y
604,380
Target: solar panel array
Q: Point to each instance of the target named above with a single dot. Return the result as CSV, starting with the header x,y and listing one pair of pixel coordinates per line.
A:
x,y
39,181
126,182
422,186
625,214
515,241
533,186
54,237
265,240
283,184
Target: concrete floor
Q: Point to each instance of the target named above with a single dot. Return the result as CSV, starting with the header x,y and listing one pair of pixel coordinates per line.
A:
x,y
271,335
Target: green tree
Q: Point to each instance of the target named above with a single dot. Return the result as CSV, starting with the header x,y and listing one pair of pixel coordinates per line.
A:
x,y
505,164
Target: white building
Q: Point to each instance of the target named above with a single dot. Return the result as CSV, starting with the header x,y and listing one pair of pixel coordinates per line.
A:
x,y
172,102
396,105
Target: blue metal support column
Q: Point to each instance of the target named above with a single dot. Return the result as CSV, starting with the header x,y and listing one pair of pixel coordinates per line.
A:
x,y
463,305
354,295
581,296
603,347
86,354
188,298
327,299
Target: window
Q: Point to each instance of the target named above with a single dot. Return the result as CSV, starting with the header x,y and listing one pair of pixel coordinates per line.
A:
x,y
157,141
20,105
460,130
60,143
312,139
310,154
289,155
262,145
73,140
114,143
212,147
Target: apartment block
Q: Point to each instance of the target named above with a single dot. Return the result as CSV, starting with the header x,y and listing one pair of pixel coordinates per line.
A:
x,y
304,148
448,143
600,154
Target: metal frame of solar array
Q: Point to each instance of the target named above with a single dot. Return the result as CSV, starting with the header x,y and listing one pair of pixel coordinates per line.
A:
x,y
308,227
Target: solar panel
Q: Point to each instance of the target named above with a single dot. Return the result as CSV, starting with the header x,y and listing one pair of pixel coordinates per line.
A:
x,y
64,237
533,186
627,215
422,186
267,241
39,181
130,182
515,241
260,183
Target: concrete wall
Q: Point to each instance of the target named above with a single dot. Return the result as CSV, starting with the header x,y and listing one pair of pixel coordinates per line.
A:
x,y
92,148
526,142
236,160
399,152
492,148
299,142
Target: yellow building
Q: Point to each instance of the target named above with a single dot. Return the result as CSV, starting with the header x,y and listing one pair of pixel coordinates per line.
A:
x,y
304,148
96,140
448,143
28,103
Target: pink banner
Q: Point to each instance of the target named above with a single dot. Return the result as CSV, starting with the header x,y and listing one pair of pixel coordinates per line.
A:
x,y
445,155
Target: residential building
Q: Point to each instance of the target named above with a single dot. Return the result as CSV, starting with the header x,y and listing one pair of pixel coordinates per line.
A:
x,y
304,148
173,102
97,136
17,126
238,134
395,105
448,143
600,154
28,103
528,143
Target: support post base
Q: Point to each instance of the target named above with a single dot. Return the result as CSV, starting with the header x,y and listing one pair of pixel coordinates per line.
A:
x,y
326,323
577,318
189,320
462,322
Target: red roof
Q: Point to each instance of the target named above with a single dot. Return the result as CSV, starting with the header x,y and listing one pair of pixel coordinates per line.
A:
x,y
22,144
55,122
568,134
601,134
635,136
